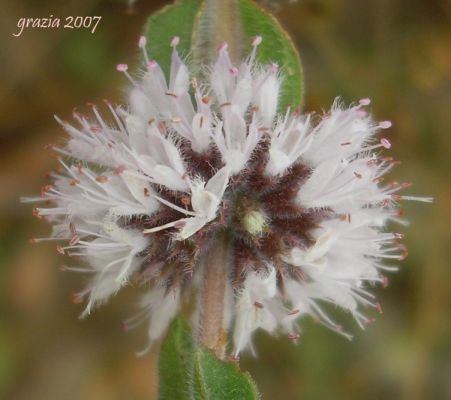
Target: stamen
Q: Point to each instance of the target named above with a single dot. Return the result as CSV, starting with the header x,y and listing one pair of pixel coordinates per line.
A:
x,y
258,305
75,239
385,143
95,129
45,189
47,239
102,179
65,268
77,114
124,69
293,337
72,229
152,65
223,46
162,227
404,254
142,42
257,41
36,213
185,200
345,218
120,68
175,207
119,170
78,298
175,41
234,359
385,124
421,199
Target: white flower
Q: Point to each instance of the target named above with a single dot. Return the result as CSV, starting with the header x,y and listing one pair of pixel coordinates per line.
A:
x,y
252,307
205,200
290,139
301,198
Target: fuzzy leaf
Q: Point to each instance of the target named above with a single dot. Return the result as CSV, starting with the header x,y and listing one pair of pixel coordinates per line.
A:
x,y
187,372
175,363
276,47
173,20
216,379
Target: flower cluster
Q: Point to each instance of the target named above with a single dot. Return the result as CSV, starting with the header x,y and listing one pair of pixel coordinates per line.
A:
x,y
144,194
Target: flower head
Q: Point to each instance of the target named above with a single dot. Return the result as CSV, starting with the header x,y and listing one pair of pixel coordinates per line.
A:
x,y
301,198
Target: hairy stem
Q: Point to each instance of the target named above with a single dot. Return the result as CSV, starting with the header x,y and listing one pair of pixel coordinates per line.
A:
x,y
212,334
217,22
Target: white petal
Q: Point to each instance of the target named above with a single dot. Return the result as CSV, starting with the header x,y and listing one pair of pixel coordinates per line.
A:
x,y
268,99
163,306
141,105
179,75
218,183
201,128
242,95
141,190
192,225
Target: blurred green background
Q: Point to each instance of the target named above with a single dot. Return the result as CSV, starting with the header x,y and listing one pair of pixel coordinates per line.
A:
x,y
398,52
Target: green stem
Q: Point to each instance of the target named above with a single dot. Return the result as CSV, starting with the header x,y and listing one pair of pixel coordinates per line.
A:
x,y
212,334
218,21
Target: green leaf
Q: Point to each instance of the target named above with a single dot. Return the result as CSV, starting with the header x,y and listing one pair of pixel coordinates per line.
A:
x,y
176,363
187,372
276,47
215,379
173,20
